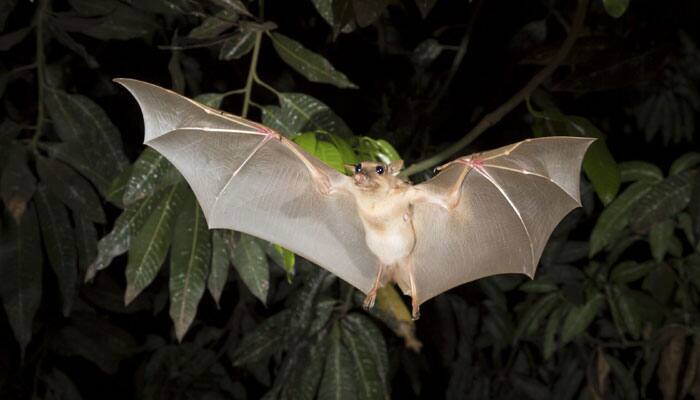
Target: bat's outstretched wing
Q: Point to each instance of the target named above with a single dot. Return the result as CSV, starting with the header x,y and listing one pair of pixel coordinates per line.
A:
x,y
251,179
505,204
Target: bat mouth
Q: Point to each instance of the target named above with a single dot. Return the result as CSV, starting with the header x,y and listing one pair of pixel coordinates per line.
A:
x,y
363,180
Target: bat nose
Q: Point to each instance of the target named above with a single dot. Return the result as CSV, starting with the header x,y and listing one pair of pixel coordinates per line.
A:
x,y
360,177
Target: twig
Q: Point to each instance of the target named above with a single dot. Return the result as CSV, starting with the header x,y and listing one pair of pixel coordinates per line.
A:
x,y
40,64
495,116
251,74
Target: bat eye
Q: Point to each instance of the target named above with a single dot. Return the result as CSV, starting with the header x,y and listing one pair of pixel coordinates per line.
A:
x,y
358,168
380,169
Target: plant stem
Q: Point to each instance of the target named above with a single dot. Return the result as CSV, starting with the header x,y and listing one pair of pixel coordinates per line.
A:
x,y
495,116
251,74
260,82
40,64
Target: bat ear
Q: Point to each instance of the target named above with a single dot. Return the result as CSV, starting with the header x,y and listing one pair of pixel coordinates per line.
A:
x,y
395,167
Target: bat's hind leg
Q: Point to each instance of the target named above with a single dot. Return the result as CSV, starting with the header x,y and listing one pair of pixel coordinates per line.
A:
x,y
372,295
415,305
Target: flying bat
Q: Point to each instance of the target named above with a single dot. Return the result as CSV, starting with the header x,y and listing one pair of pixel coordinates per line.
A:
x,y
484,214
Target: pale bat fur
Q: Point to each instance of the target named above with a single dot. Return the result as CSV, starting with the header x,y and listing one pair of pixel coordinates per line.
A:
x,y
484,214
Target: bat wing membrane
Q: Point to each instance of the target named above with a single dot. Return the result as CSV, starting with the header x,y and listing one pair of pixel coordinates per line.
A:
x,y
263,189
509,204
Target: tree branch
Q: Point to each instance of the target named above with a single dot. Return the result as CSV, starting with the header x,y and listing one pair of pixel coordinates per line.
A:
x,y
495,116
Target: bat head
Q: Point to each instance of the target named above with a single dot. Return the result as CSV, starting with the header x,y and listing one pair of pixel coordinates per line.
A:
x,y
373,175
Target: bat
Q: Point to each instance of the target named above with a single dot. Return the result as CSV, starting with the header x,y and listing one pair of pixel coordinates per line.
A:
x,y
484,214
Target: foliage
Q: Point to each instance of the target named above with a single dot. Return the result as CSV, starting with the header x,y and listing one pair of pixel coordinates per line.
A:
x,y
612,313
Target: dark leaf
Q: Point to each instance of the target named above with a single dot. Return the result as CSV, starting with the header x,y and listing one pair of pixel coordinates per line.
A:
x,y
59,243
266,339
189,264
96,340
66,40
311,65
664,200
128,224
17,184
251,263
633,171
150,245
684,162
71,189
660,236
20,286
235,5
616,8
86,240
624,377
218,271
367,11
342,20
551,330
630,271
579,318
75,155
79,120
425,6
150,173
6,8
338,375
616,216
366,345
535,314
215,25
122,23
9,40
237,46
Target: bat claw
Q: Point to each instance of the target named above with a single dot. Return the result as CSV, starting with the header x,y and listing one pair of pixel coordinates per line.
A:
x,y
369,300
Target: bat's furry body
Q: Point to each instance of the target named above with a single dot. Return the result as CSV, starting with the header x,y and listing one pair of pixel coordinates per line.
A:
x,y
485,214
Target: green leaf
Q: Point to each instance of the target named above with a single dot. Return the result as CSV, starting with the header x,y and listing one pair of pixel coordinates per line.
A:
x,y
377,150
282,257
17,183
338,375
215,25
630,271
20,268
664,200
301,112
59,243
250,262
616,8
189,264
307,141
218,272
660,236
616,216
579,318
369,351
311,65
117,242
266,339
601,169
535,314
237,46
684,163
79,120
69,187
346,152
634,171
151,172
150,245
330,155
